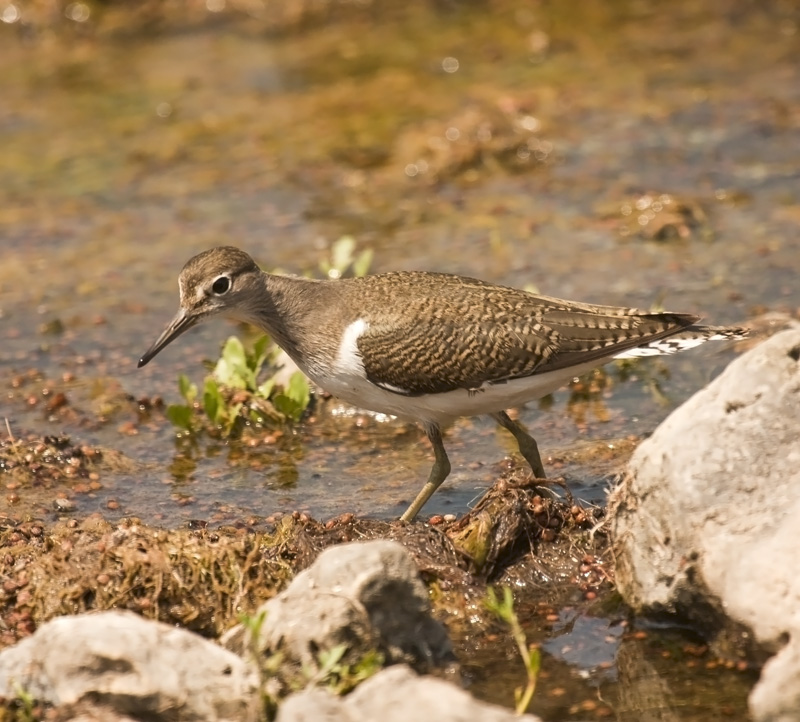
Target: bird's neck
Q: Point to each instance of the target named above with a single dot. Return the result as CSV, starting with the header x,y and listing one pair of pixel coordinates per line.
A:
x,y
292,311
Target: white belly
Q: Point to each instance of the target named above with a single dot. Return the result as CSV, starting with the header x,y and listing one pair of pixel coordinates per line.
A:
x,y
445,407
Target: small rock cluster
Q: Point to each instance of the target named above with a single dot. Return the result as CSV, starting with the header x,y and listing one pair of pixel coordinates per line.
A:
x,y
363,598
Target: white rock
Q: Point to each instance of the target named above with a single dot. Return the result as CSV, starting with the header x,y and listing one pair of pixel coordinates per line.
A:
x,y
367,595
705,521
138,667
395,694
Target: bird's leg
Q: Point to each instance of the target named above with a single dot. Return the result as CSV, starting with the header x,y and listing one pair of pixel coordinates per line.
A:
x,y
527,444
530,450
439,472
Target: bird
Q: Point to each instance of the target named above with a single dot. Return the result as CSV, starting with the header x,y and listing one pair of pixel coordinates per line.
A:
x,y
424,346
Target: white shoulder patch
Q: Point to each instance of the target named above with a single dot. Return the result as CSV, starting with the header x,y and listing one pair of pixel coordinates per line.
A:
x,y
348,358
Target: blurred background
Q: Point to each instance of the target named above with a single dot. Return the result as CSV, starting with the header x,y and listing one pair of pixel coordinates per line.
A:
x,y
633,152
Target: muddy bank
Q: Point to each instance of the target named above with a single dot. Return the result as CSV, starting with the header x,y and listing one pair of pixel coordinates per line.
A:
x,y
202,577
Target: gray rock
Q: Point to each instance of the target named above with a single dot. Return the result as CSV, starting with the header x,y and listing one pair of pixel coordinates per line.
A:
x,y
314,704
705,520
366,595
395,694
133,666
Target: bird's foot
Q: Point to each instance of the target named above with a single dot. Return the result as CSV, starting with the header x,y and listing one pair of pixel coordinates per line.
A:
x,y
545,486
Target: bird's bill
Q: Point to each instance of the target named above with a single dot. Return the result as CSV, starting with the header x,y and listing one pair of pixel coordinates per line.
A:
x,y
182,322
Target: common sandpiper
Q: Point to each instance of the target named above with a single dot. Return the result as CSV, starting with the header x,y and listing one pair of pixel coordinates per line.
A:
x,y
429,347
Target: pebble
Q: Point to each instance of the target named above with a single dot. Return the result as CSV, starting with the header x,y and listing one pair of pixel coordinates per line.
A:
x,y
62,504
58,401
9,586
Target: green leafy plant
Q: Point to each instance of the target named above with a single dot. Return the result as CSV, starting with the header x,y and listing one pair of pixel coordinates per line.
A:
x,y
182,415
503,609
338,676
294,398
219,410
344,259
233,388
276,679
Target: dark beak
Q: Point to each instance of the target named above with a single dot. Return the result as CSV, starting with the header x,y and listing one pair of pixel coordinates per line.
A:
x,y
182,322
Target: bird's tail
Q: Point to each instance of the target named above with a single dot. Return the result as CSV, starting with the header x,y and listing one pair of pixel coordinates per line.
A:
x,y
687,338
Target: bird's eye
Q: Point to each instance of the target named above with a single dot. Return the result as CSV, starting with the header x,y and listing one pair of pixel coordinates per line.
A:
x,y
221,286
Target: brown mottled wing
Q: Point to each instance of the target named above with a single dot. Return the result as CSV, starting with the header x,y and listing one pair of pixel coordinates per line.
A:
x,y
451,335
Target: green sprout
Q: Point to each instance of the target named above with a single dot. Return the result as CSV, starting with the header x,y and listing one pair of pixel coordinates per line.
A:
x,y
338,676
268,665
531,657
25,704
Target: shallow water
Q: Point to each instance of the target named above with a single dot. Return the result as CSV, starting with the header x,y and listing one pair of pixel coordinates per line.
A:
x,y
125,154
